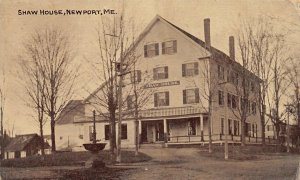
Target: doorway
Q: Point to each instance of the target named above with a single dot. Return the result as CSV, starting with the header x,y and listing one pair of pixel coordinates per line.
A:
x,y
152,131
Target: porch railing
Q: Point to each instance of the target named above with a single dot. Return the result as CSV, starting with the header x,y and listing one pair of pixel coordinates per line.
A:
x,y
217,137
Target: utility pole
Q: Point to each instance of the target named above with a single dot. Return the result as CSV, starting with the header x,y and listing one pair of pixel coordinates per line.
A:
x,y
288,132
120,105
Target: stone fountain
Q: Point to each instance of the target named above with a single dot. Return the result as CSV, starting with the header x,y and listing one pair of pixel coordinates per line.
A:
x,y
95,161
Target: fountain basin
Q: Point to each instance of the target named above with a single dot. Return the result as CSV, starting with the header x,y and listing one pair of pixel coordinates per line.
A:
x,y
94,147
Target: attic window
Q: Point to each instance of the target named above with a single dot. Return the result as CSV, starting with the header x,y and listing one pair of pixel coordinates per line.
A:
x,y
151,50
169,47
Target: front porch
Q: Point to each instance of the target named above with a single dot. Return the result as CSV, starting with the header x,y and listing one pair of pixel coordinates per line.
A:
x,y
175,130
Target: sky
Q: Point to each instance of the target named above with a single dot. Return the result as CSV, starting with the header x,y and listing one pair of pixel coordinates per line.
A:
x,y
188,15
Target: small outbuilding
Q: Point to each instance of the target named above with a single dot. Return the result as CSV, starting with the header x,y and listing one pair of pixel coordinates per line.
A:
x,y
23,146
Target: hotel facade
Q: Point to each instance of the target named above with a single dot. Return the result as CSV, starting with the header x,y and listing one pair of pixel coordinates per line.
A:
x,y
185,71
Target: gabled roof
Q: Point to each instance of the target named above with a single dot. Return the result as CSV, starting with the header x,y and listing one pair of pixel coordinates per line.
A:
x,y
214,52
64,117
20,142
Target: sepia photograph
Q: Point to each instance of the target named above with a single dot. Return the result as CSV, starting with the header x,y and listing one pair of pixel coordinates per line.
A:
x,y
157,89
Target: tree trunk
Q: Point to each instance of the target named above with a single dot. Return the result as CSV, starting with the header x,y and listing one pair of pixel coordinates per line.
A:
x,y
243,136
42,139
136,137
2,134
209,126
112,138
53,133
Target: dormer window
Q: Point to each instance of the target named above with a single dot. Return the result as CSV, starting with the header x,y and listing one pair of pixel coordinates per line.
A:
x,y
151,50
169,47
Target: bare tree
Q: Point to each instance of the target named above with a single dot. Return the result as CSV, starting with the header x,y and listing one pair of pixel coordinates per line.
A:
x,y
293,70
255,46
2,105
49,53
34,84
279,83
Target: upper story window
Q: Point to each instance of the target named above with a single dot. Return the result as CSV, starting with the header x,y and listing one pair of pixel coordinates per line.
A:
x,y
161,99
232,101
221,98
233,77
191,96
130,102
160,73
221,72
123,131
151,50
135,76
253,107
190,69
169,47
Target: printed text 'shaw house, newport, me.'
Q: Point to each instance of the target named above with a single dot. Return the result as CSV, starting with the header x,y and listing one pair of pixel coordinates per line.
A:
x,y
182,69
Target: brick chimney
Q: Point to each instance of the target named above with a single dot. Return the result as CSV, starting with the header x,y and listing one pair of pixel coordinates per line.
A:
x,y
207,32
231,48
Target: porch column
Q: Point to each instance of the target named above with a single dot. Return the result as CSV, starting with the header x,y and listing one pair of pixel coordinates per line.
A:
x,y
140,131
165,131
201,128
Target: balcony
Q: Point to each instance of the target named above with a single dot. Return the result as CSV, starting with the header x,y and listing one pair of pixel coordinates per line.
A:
x,y
149,113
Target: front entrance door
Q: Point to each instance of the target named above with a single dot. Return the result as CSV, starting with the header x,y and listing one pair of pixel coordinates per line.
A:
x,y
152,131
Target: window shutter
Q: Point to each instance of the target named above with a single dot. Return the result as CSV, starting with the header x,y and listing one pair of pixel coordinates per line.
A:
x,y
196,71
154,74
139,75
167,98
184,96
163,47
197,95
174,46
166,72
183,70
145,51
156,49
155,99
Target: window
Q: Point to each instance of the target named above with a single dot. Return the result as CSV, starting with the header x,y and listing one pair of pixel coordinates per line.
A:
x,y
252,87
151,50
229,98
80,136
124,131
190,69
191,96
232,101
160,73
130,102
91,130
222,125
135,76
192,127
169,47
253,107
229,127
161,99
106,132
221,98
233,77
236,128
221,72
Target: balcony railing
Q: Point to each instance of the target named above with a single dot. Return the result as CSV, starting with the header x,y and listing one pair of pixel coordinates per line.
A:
x,y
177,111
149,113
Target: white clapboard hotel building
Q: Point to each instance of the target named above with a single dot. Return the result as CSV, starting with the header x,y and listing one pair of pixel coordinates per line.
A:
x,y
182,67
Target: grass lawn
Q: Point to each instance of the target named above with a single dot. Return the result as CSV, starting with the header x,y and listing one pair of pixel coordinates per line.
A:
x,y
69,159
